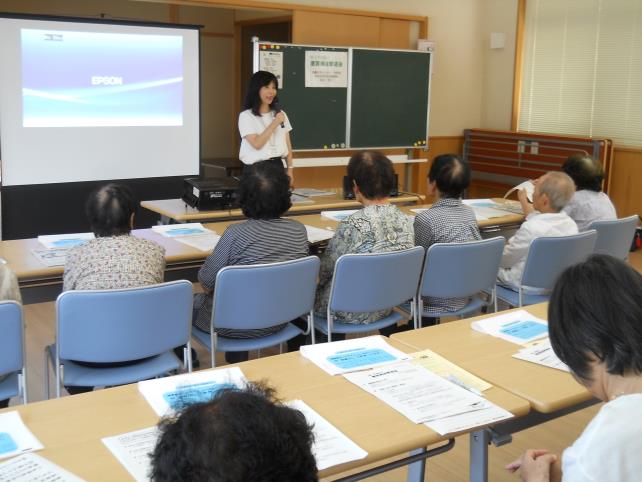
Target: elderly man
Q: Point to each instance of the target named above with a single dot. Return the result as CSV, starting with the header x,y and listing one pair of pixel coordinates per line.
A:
x,y
543,218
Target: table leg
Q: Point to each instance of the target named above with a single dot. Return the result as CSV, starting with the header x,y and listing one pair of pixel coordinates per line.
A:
x,y
479,442
417,469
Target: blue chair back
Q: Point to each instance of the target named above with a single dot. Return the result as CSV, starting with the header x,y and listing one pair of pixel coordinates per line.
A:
x,y
458,270
549,256
375,281
12,338
249,297
104,326
615,237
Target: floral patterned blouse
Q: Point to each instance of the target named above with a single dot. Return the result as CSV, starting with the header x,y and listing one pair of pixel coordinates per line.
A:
x,y
114,262
376,228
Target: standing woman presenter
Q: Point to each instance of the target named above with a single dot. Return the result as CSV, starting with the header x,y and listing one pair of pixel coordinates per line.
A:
x,y
264,127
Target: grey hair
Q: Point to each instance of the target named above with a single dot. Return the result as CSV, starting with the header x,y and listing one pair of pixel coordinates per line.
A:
x,y
558,187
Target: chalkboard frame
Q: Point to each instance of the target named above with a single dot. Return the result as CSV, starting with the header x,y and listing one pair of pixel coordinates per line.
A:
x,y
348,122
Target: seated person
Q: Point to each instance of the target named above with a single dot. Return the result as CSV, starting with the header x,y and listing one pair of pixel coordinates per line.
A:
x,y
589,203
378,227
594,326
448,220
9,290
264,196
543,218
239,436
114,259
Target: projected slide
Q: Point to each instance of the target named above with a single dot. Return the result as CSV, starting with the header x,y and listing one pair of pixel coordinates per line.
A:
x,y
89,79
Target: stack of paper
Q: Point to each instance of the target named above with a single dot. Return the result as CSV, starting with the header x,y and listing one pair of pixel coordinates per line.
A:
x,y
484,208
57,245
192,234
133,451
331,447
297,199
425,397
517,327
309,192
338,215
15,437
347,356
33,467
541,353
316,235
171,394
448,370
51,257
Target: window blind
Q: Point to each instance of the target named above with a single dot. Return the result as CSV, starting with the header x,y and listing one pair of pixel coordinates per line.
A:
x,y
582,69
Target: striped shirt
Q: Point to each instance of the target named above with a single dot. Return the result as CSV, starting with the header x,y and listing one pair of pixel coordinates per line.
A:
x,y
253,241
447,221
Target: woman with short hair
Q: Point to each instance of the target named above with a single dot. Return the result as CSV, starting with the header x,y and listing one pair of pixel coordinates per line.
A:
x,y
595,327
265,237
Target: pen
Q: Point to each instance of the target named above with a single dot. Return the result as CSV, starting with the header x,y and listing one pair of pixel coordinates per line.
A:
x,y
458,382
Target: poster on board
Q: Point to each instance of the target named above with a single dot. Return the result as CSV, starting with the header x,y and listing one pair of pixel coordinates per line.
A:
x,y
326,69
272,62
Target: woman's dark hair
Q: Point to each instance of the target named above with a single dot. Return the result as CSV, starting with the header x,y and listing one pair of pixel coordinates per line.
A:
x,y
241,435
109,210
595,313
264,191
451,174
259,79
586,172
373,174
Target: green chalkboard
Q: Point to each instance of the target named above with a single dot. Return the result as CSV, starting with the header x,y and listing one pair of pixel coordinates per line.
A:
x,y
389,106
384,101
317,114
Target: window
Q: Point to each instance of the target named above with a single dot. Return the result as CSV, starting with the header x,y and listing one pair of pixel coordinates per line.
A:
x,y
582,69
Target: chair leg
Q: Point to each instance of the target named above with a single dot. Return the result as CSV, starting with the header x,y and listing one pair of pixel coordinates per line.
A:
x,y
58,378
23,382
213,348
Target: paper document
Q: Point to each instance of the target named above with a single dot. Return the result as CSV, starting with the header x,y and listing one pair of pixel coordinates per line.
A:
x,y
316,235
417,393
517,327
484,208
56,241
33,467
204,242
526,185
15,437
298,199
186,229
448,370
171,394
338,215
309,192
419,210
346,356
331,447
51,257
133,451
465,421
541,353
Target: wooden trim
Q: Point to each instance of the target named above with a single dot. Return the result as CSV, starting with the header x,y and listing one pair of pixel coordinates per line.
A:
x,y
519,61
288,7
174,13
636,150
264,20
423,28
217,34
444,138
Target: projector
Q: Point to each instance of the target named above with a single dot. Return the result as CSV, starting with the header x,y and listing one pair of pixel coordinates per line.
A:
x,y
216,193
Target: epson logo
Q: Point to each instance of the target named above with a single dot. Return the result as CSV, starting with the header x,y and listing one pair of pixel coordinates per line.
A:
x,y
104,80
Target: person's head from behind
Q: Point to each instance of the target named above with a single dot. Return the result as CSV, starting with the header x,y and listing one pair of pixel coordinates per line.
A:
x,y
595,321
264,191
239,436
371,175
110,210
449,176
552,192
586,172
262,89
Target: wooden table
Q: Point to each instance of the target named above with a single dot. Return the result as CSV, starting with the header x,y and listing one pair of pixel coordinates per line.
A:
x,y
176,210
71,428
550,392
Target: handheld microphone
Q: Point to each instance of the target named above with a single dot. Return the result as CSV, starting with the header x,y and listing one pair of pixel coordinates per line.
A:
x,y
277,109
